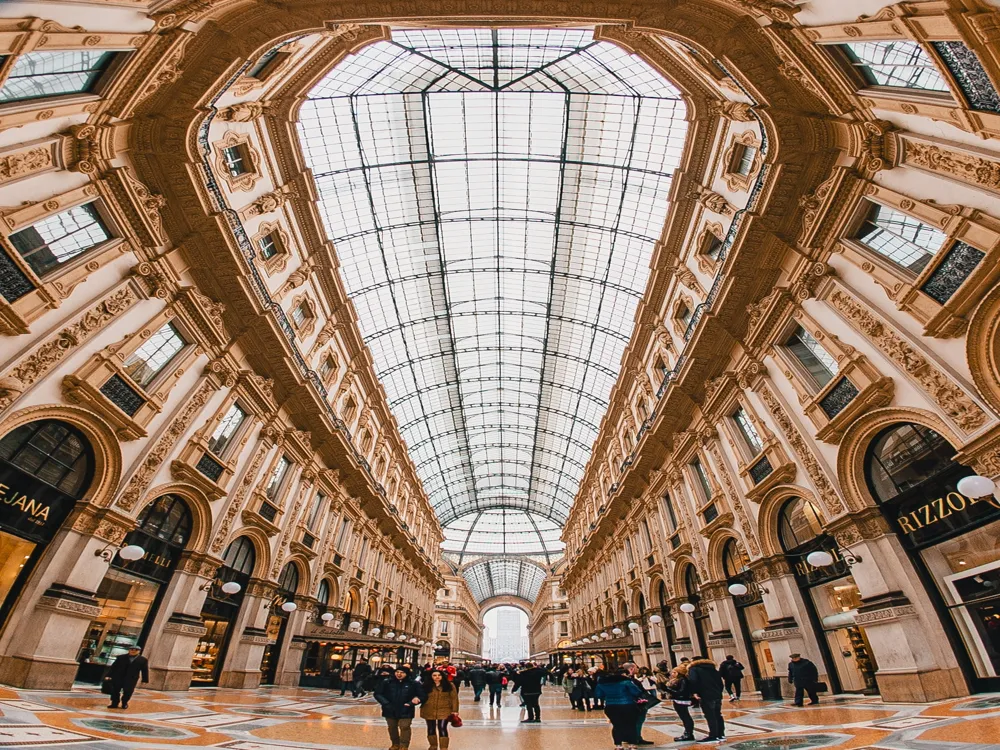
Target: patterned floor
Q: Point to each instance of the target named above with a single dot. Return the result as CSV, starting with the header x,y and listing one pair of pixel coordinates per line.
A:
x,y
284,718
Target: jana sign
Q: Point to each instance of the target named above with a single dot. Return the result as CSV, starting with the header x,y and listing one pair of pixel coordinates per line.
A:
x,y
30,508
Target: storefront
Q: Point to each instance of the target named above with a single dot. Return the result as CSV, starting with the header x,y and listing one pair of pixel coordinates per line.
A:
x,y
45,467
132,590
750,613
277,623
220,611
323,659
953,540
831,599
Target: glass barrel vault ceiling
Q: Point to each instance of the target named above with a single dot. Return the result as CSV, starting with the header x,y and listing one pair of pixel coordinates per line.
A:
x,y
494,197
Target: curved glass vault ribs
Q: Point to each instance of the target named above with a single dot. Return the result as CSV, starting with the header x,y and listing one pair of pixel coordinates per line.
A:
x,y
504,576
494,197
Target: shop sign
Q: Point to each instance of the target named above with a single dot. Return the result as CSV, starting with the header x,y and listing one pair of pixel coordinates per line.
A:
x,y
921,521
30,508
810,575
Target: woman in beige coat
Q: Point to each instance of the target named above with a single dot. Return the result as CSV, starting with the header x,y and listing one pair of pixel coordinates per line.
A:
x,y
441,702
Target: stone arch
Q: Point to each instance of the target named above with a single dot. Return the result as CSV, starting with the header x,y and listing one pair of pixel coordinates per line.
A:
x,y
331,582
504,600
622,613
305,574
408,623
261,548
982,348
770,508
716,544
103,441
198,504
680,570
397,621
854,445
653,594
386,615
638,599
352,601
371,608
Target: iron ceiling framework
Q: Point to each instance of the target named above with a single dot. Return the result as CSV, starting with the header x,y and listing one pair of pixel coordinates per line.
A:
x,y
494,197
504,576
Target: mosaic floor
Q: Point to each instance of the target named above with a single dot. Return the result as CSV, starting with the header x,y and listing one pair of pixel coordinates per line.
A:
x,y
285,718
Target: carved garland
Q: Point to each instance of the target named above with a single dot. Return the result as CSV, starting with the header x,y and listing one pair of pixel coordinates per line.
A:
x,y
949,397
236,501
734,500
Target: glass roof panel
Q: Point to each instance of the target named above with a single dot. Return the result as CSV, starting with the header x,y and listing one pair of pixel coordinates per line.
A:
x,y
494,197
504,576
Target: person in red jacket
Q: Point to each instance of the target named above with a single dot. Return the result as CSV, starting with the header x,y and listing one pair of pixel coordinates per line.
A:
x,y
452,671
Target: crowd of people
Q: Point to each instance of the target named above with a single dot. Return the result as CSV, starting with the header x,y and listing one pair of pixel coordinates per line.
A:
x,y
625,693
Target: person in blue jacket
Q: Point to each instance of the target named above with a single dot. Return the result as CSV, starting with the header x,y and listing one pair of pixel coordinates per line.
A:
x,y
622,702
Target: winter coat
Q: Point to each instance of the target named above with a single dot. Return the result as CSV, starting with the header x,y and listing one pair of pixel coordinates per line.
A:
x,y
581,688
493,677
439,704
679,690
529,682
731,669
362,671
618,690
477,676
568,683
802,673
705,680
125,671
396,697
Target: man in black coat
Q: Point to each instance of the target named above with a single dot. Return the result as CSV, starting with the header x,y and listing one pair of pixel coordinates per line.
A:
x,y
124,674
706,686
529,683
494,681
732,673
399,695
803,674
362,671
477,676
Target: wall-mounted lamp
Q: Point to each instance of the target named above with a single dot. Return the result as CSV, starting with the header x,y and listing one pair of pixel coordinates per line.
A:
x,y
129,552
285,606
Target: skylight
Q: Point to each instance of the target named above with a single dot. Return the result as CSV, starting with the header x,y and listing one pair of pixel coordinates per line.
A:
x,y
494,197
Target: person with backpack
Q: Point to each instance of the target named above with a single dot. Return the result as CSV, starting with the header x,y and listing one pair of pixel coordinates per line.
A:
x,y
732,676
706,688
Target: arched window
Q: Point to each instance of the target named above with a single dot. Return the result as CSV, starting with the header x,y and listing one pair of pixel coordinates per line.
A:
x,y
904,456
798,524
661,594
323,593
691,581
240,556
53,452
734,562
288,581
167,518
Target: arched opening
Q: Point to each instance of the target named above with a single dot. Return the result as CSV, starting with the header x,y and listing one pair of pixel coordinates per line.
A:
x,y
220,610
750,612
132,590
505,638
953,540
831,597
699,616
46,466
277,622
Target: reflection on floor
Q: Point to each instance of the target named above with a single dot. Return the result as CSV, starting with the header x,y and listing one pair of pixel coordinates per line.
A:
x,y
287,718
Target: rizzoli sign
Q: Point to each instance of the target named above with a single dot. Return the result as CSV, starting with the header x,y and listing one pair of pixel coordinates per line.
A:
x,y
922,522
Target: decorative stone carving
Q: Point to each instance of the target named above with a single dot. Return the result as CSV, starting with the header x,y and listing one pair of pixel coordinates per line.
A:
x,y
53,350
712,201
829,496
23,163
951,399
878,147
973,169
237,500
170,438
749,533
269,202
737,111
242,112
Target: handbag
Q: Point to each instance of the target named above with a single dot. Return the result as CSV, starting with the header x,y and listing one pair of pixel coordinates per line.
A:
x,y
106,686
455,720
652,699
821,687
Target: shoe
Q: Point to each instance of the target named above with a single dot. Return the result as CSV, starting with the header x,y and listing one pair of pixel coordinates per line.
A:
x,y
124,706
720,740
113,705
813,703
684,738
799,705
644,742
732,698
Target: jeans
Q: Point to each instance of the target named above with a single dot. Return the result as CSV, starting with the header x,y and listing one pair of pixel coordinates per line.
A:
x,y
734,687
811,689
359,688
531,704
712,708
399,731
640,719
684,713
495,692
437,725
623,722
477,692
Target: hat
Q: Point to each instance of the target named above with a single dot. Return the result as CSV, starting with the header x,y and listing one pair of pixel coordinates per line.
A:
x,y
402,668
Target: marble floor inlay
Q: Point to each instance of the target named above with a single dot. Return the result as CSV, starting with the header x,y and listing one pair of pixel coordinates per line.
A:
x,y
303,719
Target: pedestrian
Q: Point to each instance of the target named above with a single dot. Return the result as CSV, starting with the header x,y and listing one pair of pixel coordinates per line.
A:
x,y
568,685
662,676
398,696
706,688
347,679
679,689
124,675
494,682
732,675
477,678
644,679
582,693
594,675
362,671
620,696
803,674
529,683
440,702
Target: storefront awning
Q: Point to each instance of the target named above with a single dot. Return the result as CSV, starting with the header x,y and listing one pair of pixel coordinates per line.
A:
x,y
612,644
